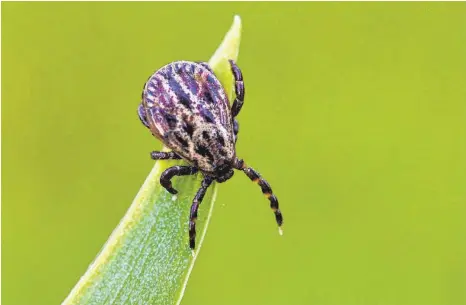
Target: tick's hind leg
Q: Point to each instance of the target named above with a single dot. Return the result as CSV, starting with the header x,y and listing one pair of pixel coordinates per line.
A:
x,y
265,187
194,207
162,155
169,173
239,89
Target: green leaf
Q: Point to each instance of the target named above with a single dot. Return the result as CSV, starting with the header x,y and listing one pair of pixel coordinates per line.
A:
x,y
147,259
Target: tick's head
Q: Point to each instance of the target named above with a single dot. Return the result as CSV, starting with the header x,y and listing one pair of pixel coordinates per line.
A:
x,y
223,171
214,150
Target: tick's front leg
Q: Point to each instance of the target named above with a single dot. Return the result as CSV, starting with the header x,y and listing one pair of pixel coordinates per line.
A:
x,y
194,207
239,89
169,173
265,187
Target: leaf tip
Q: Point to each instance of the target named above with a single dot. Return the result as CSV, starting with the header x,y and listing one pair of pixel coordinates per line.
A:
x,y
237,22
229,47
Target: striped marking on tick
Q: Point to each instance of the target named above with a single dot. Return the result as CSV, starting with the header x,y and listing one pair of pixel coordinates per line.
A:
x,y
185,88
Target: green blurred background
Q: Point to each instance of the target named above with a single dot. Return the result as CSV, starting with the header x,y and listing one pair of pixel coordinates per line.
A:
x,y
354,112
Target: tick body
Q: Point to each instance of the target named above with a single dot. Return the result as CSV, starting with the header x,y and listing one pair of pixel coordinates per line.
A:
x,y
185,106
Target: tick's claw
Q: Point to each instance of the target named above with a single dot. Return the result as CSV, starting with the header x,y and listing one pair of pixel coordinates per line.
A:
x,y
279,217
172,191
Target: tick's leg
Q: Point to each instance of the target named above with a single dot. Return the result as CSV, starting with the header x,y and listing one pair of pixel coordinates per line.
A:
x,y
168,174
162,155
206,65
142,115
266,189
235,129
194,207
239,89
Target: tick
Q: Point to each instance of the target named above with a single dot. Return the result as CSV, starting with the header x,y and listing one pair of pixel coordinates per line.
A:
x,y
185,106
